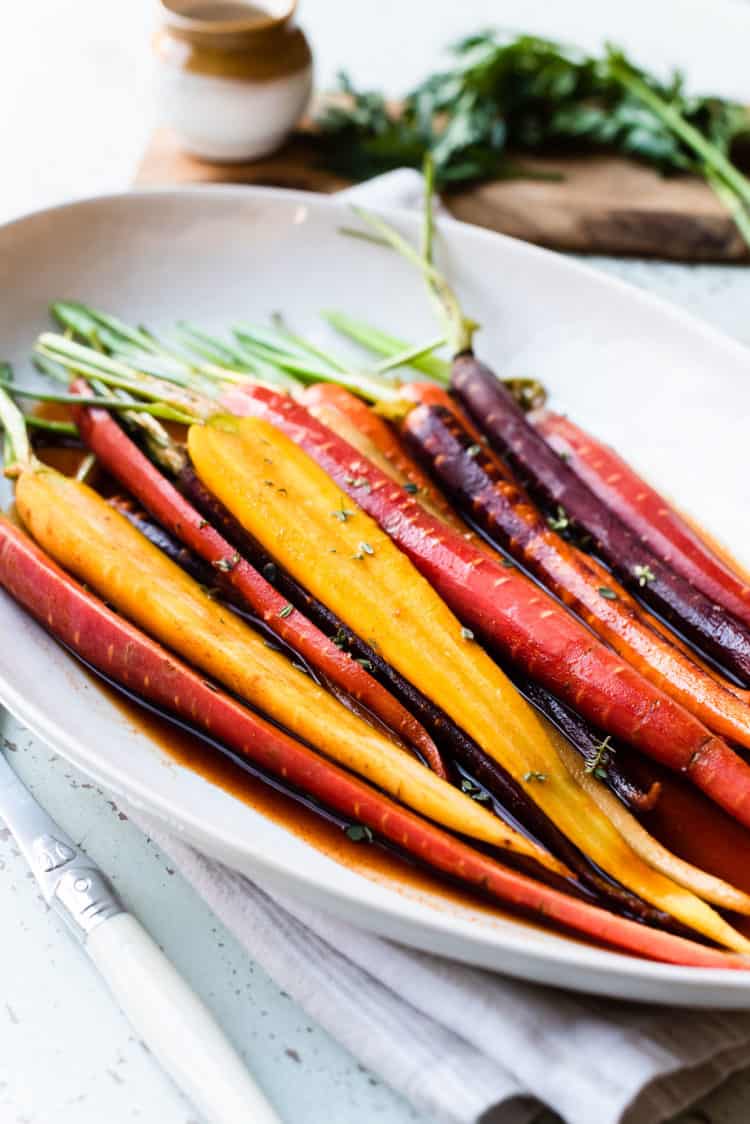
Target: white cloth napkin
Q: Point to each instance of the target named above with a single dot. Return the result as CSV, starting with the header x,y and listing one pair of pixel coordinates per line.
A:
x,y
462,1044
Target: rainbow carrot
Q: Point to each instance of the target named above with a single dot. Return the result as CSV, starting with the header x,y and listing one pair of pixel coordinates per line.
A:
x,y
121,457
113,646
520,621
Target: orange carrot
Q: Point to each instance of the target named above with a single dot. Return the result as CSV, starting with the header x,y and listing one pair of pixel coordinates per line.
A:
x,y
521,621
377,440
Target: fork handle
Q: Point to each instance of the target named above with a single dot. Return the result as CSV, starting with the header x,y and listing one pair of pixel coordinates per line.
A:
x,y
175,1025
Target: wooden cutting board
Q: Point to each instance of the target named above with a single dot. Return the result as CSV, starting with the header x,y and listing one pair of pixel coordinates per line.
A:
x,y
601,205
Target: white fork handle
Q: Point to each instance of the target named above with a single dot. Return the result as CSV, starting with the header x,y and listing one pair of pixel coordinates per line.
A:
x,y
175,1025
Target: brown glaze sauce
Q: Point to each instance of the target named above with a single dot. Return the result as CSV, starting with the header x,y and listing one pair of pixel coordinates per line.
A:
x,y
67,459
377,863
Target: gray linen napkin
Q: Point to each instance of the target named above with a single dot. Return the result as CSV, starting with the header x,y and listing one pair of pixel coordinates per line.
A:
x,y
460,1043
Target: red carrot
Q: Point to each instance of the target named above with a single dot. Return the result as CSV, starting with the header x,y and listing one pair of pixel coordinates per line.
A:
x,y
520,621
121,457
648,514
124,654
509,518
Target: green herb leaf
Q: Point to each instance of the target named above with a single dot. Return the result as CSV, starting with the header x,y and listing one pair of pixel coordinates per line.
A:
x,y
559,521
597,765
285,612
605,591
467,634
359,833
226,565
341,639
538,777
644,574
412,489
475,792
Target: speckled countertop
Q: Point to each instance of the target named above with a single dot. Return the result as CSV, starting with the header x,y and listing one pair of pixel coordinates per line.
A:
x,y
66,1053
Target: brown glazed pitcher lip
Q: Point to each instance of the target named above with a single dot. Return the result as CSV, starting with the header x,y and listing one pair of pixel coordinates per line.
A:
x,y
204,29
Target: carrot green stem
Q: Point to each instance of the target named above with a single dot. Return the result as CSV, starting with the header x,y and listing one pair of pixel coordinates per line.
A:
x,y
307,346
307,370
382,343
409,355
86,361
17,450
88,323
50,425
459,329
156,409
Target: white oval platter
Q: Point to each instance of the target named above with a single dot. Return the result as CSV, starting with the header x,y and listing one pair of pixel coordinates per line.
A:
x,y
670,393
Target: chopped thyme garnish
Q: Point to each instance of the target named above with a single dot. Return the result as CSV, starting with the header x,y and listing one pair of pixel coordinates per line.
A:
x,y
597,766
560,521
644,574
365,546
366,664
605,591
358,482
359,833
412,489
467,634
473,451
474,791
341,639
342,514
286,610
203,523
564,455
226,564
532,776
270,571
508,563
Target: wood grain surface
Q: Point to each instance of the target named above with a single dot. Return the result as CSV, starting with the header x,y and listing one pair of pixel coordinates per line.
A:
x,y
598,205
